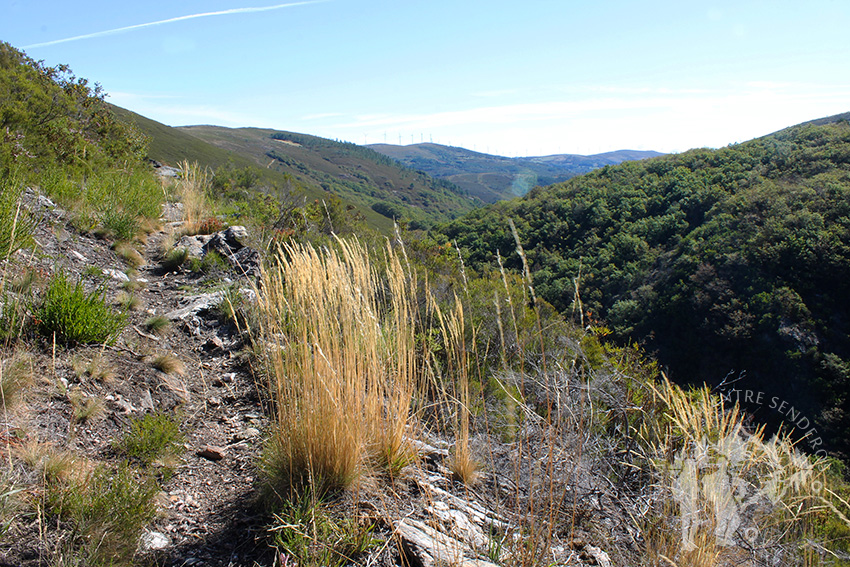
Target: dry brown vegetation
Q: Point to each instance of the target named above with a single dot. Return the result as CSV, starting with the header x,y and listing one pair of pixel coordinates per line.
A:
x,y
343,367
585,436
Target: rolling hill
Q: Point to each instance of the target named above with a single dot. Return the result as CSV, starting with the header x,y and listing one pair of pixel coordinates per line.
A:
x,y
380,188
494,178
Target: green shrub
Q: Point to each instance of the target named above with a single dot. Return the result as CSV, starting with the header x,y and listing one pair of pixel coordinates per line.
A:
x,y
120,225
154,437
112,203
74,316
211,262
175,258
307,533
108,509
232,307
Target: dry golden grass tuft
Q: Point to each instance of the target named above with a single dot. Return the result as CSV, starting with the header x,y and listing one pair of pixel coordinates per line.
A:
x,y
169,364
147,227
97,367
342,365
52,464
128,301
129,254
454,388
16,379
158,324
355,368
708,458
87,409
192,191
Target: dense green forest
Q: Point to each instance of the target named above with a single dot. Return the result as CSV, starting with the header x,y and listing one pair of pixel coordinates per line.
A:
x,y
733,265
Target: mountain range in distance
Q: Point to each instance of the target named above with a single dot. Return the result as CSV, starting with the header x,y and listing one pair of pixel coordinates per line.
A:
x,y
420,184
380,188
494,178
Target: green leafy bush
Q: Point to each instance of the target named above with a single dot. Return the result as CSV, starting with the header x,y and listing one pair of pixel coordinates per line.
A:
x,y
51,116
110,202
716,260
210,262
120,225
73,315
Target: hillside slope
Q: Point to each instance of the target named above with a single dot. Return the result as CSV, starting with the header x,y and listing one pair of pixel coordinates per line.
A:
x,y
727,263
494,178
381,190
354,173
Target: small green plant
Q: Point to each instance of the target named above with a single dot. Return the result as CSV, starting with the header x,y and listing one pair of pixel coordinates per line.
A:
x,y
93,272
212,261
75,316
306,532
108,509
157,324
174,258
155,437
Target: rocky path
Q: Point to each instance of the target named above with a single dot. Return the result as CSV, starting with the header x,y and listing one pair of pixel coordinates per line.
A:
x,y
209,502
207,505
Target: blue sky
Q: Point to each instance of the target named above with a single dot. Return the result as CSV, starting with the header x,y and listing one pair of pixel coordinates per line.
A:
x,y
535,77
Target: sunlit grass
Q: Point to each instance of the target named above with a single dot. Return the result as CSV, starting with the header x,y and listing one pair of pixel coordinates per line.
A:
x,y
342,368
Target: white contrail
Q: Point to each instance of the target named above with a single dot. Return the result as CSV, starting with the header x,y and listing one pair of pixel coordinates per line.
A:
x,y
171,20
